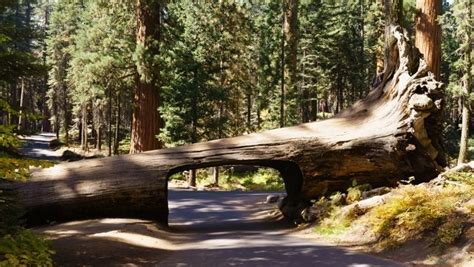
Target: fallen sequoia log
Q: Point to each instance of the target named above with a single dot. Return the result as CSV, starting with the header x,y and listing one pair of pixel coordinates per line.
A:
x,y
392,134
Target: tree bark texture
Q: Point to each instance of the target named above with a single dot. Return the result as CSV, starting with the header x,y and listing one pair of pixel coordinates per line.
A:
x,y
290,47
145,117
428,33
390,135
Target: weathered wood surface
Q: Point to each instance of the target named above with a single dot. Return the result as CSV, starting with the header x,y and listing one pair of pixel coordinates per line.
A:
x,y
390,135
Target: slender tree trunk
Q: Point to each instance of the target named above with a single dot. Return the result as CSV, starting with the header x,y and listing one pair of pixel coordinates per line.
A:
x,y
67,116
305,101
45,123
290,28
314,107
466,103
117,125
99,138
57,124
22,95
215,176
145,117
282,63
464,144
393,16
249,112
428,33
84,140
14,102
109,122
194,118
192,178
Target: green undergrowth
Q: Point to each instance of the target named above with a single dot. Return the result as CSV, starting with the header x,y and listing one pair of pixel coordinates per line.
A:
x,y
18,246
418,211
263,179
438,213
332,221
24,248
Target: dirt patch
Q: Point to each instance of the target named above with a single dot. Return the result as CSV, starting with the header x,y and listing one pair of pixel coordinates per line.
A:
x,y
108,242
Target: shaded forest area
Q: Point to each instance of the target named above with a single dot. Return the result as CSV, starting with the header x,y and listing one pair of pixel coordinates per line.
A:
x,y
214,69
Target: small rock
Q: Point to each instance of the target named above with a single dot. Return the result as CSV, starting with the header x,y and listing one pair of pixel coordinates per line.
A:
x,y
272,199
69,155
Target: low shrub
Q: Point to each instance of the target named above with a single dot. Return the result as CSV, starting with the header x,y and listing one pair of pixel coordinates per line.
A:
x,y
18,246
24,249
412,211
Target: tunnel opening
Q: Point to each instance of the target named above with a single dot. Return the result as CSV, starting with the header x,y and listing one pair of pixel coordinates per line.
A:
x,y
282,184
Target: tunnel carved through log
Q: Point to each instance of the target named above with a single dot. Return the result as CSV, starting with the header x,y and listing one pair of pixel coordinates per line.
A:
x,y
392,134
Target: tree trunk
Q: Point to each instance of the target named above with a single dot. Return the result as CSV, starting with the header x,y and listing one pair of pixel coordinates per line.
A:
x,y
428,33
84,140
314,108
465,99
215,176
390,135
67,117
145,117
99,138
109,122
290,28
22,96
282,85
464,144
249,111
45,123
192,178
117,126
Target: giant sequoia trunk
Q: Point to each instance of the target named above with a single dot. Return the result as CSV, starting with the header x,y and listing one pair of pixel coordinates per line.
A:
x,y
428,33
391,134
145,117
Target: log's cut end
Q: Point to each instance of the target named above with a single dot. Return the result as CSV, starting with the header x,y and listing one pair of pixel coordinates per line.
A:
x,y
108,187
392,134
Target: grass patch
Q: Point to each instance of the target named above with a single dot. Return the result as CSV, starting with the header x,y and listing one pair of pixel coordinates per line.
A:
x,y
437,213
332,220
263,179
416,211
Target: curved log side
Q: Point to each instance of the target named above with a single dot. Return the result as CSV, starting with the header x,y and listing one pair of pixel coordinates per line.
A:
x,y
378,140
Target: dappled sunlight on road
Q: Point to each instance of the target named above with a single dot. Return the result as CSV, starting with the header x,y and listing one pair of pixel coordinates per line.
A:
x,y
206,229
135,239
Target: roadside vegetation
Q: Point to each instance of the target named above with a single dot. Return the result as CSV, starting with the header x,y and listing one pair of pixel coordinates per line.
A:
x,y
18,246
437,214
261,179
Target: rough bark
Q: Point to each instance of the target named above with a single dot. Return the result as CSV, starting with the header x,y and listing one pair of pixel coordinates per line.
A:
x,y
379,140
289,57
145,117
192,177
428,33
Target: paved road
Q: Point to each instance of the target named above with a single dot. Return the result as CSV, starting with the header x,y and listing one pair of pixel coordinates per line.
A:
x,y
37,146
206,229
235,229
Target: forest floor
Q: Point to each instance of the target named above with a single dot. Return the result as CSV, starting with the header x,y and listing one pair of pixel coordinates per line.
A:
x,y
206,229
